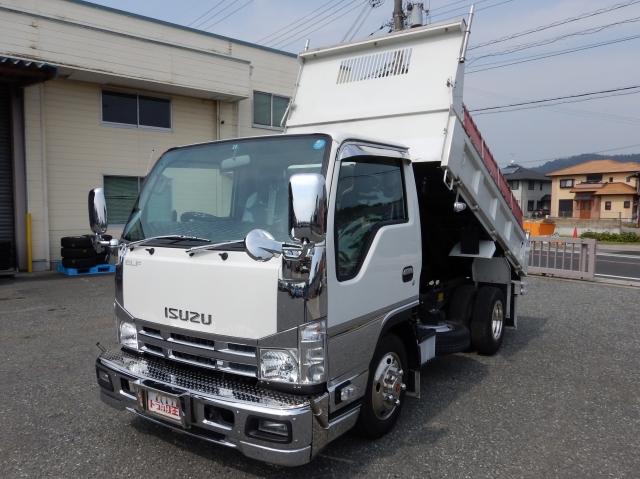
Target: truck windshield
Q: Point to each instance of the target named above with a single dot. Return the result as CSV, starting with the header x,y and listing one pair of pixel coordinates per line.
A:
x,y
222,191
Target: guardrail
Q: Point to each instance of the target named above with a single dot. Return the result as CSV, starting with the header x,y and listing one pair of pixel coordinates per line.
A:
x,y
566,257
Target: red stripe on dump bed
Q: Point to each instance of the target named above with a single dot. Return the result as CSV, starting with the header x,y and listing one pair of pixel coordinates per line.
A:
x,y
491,164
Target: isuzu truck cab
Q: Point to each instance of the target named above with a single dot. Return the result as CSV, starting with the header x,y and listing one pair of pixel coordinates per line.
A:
x,y
274,292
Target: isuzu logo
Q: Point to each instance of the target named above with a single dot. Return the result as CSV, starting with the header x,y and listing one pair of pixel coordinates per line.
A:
x,y
191,316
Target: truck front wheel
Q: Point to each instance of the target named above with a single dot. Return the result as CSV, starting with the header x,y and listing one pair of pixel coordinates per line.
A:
x,y
487,321
385,391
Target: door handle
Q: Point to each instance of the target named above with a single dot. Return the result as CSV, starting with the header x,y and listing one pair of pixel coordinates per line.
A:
x,y
407,274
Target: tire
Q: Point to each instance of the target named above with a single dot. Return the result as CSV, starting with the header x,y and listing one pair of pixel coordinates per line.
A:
x,y
5,246
461,305
378,416
77,253
487,322
79,263
455,340
76,242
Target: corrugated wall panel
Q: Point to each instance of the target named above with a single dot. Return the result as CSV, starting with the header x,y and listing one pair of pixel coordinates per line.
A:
x,y
6,169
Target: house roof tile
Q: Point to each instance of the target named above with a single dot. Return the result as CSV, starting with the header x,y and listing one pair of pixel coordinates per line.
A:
x,y
598,166
608,189
520,173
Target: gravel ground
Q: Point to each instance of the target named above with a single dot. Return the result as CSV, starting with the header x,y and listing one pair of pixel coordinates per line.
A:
x,y
561,399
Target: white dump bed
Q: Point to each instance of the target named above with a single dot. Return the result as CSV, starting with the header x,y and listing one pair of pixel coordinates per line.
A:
x,y
407,87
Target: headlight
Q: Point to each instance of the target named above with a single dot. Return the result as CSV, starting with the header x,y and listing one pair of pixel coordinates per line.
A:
x,y
128,335
278,365
312,342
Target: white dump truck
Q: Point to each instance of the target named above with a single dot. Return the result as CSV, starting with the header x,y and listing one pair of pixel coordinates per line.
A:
x,y
274,292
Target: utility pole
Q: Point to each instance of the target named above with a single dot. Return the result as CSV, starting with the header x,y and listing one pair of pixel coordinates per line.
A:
x,y
398,16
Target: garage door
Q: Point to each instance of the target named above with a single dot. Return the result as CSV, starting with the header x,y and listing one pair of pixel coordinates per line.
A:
x,y
6,177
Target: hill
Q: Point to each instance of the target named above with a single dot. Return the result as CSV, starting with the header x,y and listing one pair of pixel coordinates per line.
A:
x,y
561,163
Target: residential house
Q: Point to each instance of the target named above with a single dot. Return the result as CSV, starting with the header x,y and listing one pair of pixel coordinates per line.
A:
x,y
91,96
596,189
531,189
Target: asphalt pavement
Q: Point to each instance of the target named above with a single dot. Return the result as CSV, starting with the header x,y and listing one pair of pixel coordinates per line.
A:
x,y
560,400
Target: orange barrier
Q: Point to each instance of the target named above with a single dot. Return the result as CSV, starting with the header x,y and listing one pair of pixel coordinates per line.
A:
x,y
537,228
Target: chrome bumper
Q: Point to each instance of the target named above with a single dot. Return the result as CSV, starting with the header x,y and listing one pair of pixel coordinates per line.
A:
x,y
200,394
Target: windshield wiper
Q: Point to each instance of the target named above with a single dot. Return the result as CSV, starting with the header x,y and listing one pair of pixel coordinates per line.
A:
x,y
194,250
174,237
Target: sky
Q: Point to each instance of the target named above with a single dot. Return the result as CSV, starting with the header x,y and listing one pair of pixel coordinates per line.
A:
x,y
528,136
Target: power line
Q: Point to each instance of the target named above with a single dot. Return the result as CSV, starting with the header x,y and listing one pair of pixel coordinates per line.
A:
x,y
463,6
216,14
569,156
548,41
531,58
206,13
321,26
288,34
480,9
232,13
557,23
286,26
569,111
557,98
355,23
559,103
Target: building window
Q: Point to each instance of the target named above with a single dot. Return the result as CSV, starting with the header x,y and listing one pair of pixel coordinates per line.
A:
x,y
566,183
607,205
514,185
136,111
565,208
268,110
627,204
121,193
532,185
530,205
594,178
541,186
611,179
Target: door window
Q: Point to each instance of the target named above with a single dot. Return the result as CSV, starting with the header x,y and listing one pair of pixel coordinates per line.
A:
x,y
370,195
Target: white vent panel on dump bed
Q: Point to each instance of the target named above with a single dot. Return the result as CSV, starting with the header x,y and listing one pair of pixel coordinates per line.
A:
x,y
374,66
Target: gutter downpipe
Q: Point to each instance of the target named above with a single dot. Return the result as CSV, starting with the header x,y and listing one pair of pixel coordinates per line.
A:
x,y
45,181
218,120
465,41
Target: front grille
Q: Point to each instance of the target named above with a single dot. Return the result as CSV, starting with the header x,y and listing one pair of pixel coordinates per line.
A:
x,y
223,356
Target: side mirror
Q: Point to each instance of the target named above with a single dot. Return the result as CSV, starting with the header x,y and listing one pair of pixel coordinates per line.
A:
x,y
98,211
307,208
260,246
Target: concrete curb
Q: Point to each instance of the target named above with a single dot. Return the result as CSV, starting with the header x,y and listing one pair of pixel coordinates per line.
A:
x,y
607,282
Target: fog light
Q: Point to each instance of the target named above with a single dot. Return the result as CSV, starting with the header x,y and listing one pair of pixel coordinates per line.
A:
x,y
273,427
104,380
128,335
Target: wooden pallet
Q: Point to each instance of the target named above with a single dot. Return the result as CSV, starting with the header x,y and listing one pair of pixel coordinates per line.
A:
x,y
99,269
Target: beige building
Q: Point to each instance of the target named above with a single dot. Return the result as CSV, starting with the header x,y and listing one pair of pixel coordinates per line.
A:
x,y
91,96
600,189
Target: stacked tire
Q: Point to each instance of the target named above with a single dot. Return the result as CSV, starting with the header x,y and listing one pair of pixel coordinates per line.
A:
x,y
5,255
78,252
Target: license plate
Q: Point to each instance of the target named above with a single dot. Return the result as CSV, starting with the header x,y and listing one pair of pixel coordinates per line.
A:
x,y
164,405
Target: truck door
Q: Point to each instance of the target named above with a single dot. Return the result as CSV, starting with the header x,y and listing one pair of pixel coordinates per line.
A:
x,y
374,258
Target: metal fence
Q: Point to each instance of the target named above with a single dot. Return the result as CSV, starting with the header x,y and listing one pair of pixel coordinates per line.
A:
x,y
567,257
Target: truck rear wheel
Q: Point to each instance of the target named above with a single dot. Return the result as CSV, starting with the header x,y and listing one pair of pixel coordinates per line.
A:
x,y
385,391
487,322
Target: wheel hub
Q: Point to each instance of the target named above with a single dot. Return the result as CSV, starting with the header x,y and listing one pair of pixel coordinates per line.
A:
x,y
497,321
387,386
